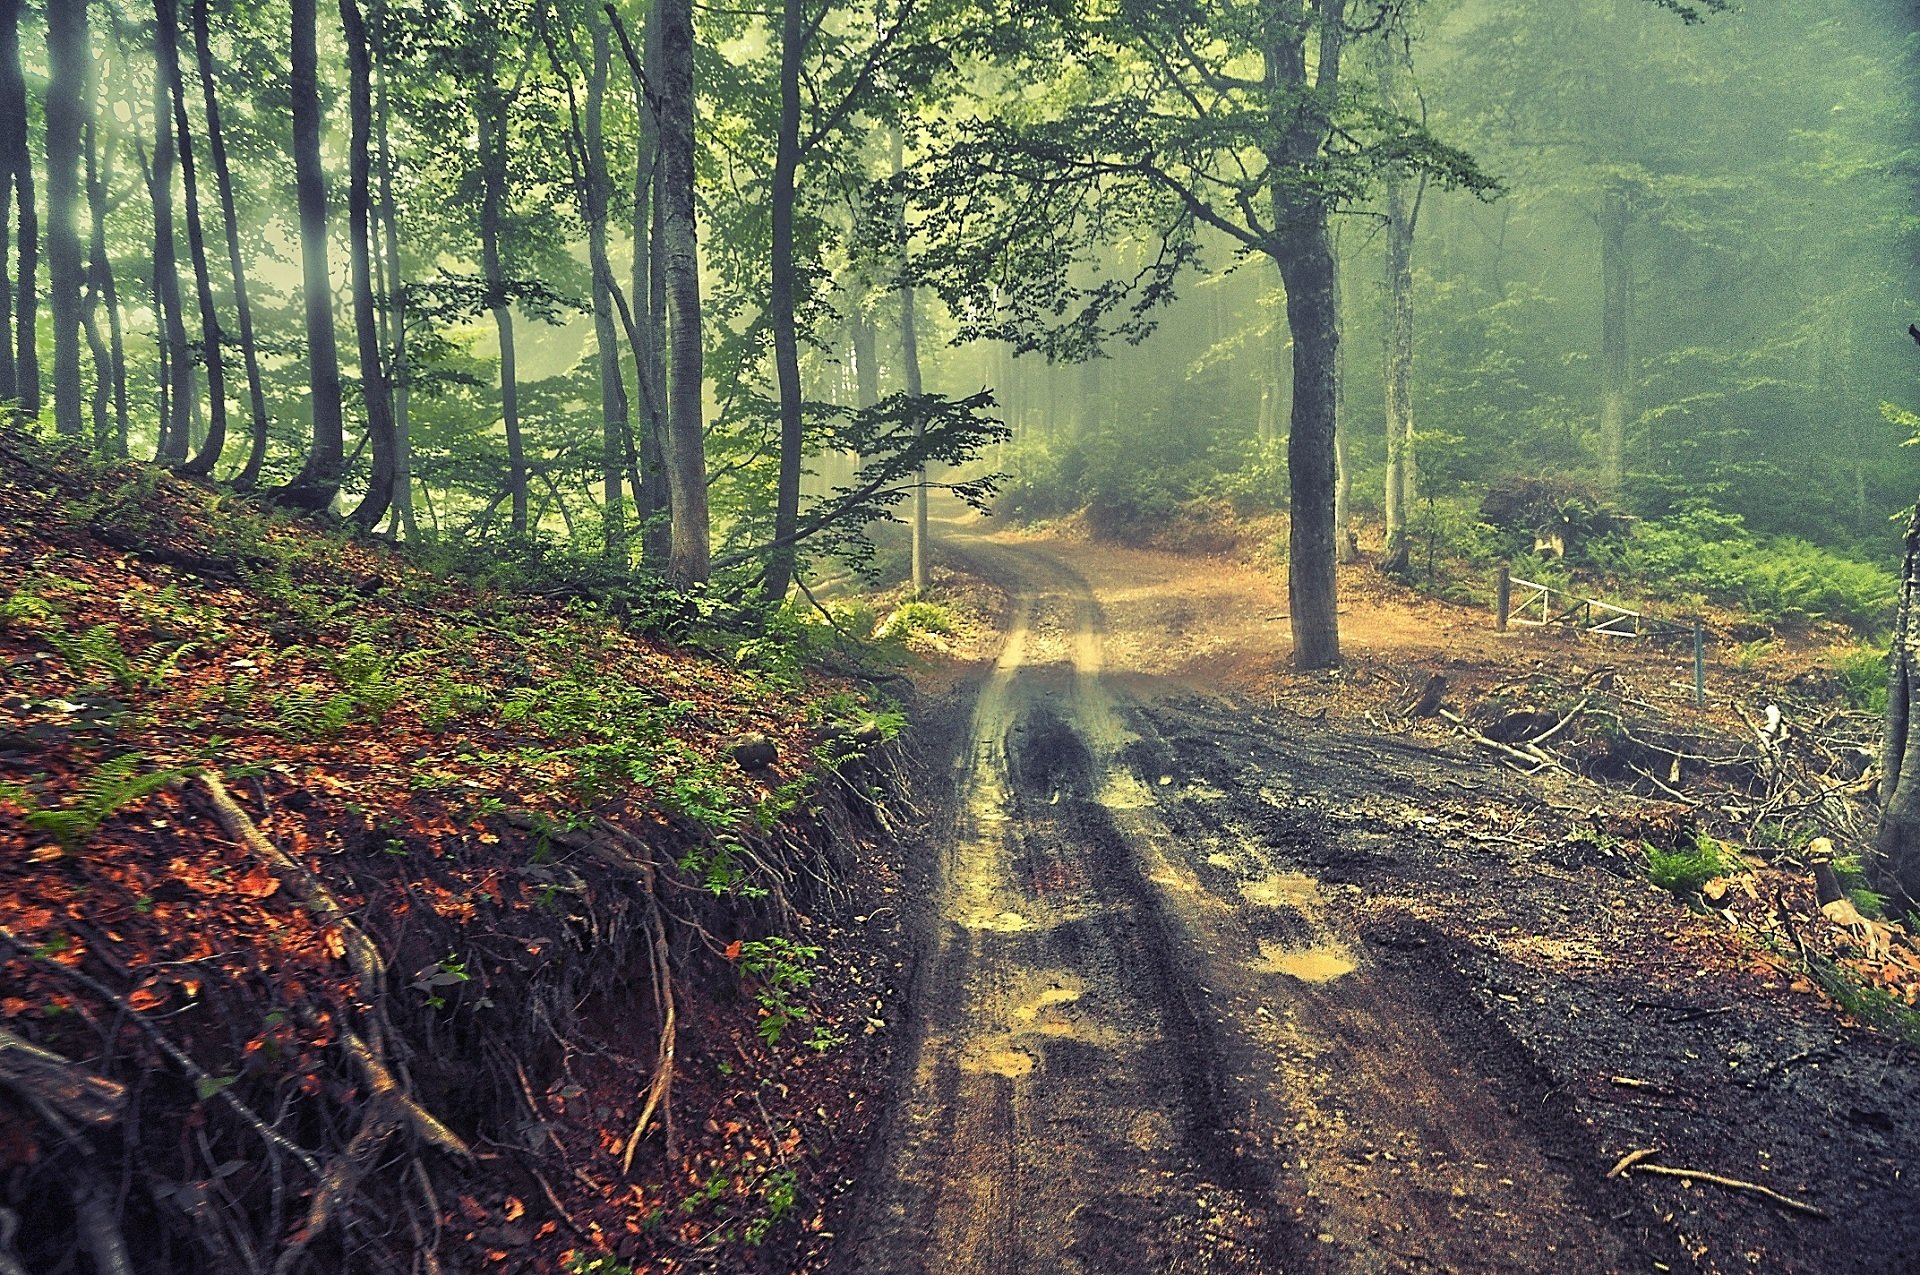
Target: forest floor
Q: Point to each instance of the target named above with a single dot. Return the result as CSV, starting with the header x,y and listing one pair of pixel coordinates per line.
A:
x,y
1227,967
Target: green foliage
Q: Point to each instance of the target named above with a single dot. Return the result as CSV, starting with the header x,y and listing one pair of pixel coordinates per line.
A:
x,y
117,783
1774,578
919,616
1863,677
1682,872
98,650
782,969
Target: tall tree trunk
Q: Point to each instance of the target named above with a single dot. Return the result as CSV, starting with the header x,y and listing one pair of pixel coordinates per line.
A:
x,y
692,554
780,316
1302,249
69,59
491,116
216,435
615,430
1898,836
13,124
366,318
1398,357
910,369
25,356
105,290
651,497
396,316
866,367
319,479
1614,288
176,418
243,306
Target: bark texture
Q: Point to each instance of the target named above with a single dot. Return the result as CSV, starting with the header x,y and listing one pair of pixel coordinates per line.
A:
x,y
68,61
319,478
690,559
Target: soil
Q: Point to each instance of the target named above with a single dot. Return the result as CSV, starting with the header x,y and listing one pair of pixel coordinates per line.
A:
x,y
1230,968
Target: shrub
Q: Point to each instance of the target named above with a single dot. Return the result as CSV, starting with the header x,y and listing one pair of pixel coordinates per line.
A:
x,y
1863,677
1682,872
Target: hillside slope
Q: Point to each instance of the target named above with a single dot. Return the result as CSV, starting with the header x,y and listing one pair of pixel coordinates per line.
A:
x,y
352,919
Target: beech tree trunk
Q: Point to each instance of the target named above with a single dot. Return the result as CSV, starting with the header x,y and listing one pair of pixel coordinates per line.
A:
x,y
216,436
1303,250
780,317
13,121
366,319
177,364
243,306
23,385
319,479
1402,208
1615,293
615,430
910,368
651,496
399,372
68,59
1898,836
490,105
103,290
692,554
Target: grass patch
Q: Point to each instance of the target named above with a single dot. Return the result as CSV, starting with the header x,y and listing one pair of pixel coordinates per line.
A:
x,y
1682,872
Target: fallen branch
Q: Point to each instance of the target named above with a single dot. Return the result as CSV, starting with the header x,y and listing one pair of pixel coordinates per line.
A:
x,y
1733,1184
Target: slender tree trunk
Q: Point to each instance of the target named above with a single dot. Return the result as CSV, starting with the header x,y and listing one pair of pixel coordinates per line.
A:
x,y
13,124
366,319
25,356
1614,267
1898,836
692,552
176,434
910,369
104,286
68,58
615,431
651,497
1398,357
399,372
866,367
780,316
319,479
216,435
243,306
491,109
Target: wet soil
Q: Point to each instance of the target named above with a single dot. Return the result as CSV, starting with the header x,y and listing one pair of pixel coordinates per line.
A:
x,y
1214,980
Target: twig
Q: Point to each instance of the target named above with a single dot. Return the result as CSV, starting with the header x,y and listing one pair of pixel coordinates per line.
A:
x,y
1734,1184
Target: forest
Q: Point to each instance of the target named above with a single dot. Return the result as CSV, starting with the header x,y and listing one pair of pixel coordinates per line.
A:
x,y
675,487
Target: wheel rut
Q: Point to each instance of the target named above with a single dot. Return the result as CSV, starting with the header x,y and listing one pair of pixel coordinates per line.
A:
x,y
1149,1040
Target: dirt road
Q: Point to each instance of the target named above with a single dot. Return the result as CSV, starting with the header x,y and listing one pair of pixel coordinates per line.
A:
x,y
1214,986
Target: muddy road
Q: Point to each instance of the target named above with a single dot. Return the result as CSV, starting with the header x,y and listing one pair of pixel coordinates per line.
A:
x,y
1204,990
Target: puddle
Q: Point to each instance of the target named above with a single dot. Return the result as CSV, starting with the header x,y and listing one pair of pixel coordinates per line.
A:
x,y
994,922
1011,1063
1321,963
1282,889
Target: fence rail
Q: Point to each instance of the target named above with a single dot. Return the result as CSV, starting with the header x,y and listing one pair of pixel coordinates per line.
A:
x,y
1541,606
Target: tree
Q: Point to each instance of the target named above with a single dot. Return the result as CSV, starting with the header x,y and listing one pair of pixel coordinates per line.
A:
x,y
1402,210
20,378
216,436
690,558
176,360
229,217
374,394
1169,133
319,479
69,58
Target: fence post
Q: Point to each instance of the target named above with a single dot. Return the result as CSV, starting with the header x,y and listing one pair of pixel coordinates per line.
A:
x,y
1699,664
1503,597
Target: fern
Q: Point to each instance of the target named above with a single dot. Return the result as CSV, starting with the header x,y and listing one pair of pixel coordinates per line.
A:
x,y
98,649
117,783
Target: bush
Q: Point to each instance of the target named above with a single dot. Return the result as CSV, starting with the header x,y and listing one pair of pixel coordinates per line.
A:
x,y
1682,872
1863,677
1775,578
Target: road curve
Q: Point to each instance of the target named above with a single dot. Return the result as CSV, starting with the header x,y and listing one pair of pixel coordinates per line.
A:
x,y
1144,1040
